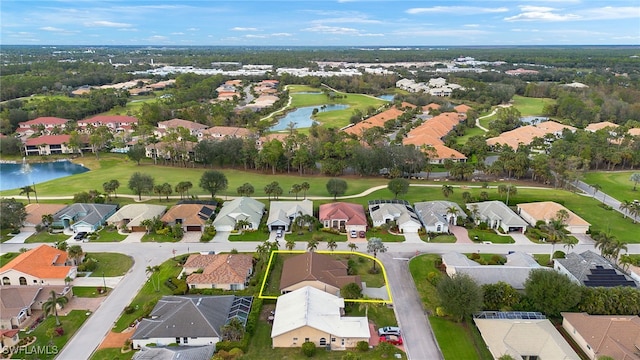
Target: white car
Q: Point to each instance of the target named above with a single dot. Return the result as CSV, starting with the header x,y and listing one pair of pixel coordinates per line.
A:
x,y
389,330
279,233
354,234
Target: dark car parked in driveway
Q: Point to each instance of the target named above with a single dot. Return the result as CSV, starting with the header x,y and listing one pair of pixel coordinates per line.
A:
x,y
81,235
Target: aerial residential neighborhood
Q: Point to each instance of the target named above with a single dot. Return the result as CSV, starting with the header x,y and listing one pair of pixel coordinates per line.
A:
x,y
299,185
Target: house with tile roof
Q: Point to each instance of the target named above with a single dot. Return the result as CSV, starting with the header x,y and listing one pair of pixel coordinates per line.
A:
x,y
222,132
514,272
343,216
428,136
190,320
399,211
524,339
194,128
436,216
192,217
218,271
44,265
9,338
497,215
616,336
601,125
87,217
239,209
525,134
309,314
18,303
282,213
48,124
115,123
547,211
320,271
179,151
591,269
377,120
204,352
131,216
36,211
51,144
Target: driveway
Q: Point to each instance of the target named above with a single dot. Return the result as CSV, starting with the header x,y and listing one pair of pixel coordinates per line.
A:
x,y
412,238
19,238
221,237
520,239
419,341
97,281
583,238
191,237
461,234
134,237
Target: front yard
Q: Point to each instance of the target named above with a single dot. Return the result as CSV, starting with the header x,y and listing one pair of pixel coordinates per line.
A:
x,y
69,323
489,235
45,237
110,264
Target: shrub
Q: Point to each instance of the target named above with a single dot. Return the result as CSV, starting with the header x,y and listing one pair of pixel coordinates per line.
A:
x,y
362,346
351,264
129,309
330,231
59,331
433,277
350,356
483,226
309,349
474,256
236,353
233,251
558,254
163,231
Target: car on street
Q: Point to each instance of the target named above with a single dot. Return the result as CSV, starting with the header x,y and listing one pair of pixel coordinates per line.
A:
x,y
389,330
81,235
362,234
354,234
391,339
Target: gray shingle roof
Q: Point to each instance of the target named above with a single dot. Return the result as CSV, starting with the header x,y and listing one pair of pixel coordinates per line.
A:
x,y
433,212
582,265
498,210
243,208
89,213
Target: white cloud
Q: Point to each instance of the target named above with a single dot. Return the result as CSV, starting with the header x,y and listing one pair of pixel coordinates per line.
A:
x,y
334,30
460,10
192,29
158,38
51,28
349,20
442,33
253,36
104,23
177,33
244,29
472,25
611,13
281,34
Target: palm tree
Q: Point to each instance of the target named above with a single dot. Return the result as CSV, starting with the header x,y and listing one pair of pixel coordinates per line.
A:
x,y
305,187
27,190
154,270
262,250
291,243
47,220
75,252
625,207
447,190
353,247
616,248
51,305
570,242
295,188
604,242
453,211
332,244
312,244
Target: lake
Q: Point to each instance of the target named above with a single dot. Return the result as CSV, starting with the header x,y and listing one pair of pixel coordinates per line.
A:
x,y
530,120
387,97
13,176
302,116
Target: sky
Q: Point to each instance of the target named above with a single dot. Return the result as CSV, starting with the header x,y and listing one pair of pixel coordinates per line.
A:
x,y
320,23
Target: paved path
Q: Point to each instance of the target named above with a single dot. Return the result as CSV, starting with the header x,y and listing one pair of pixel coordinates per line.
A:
x,y
419,341
599,195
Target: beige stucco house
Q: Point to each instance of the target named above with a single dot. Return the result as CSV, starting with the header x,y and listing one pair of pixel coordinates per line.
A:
x,y
604,335
312,315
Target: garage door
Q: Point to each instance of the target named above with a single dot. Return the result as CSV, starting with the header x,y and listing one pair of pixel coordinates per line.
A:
x,y
85,228
138,228
194,228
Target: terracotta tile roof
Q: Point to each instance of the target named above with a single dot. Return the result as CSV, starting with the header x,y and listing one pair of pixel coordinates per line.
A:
x,y
616,336
376,120
222,131
547,210
44,262
220,268
443,152
634,132
174,123
342,210
48,140
526,134
109,119
601,125
44,121
432,106
312,266
462,108
35,211
433,130
189,213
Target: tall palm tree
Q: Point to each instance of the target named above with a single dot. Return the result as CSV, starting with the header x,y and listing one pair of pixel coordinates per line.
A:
x,y
47,220
305,187
353,247
453,211
51,305
291,243
447,190
154,270
625,207
75,252
604,242
27,190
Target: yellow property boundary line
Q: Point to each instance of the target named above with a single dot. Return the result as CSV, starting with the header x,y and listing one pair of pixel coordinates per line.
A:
x,y
374,301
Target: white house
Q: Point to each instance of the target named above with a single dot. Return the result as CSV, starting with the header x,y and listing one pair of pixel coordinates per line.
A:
x,y
239,209
282,213
497,215
436,216
387,211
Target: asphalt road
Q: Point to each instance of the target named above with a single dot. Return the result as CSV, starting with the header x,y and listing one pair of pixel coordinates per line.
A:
x,y
419,340
403,290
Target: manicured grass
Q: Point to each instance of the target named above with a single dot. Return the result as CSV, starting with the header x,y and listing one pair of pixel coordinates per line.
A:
x,y
362,265
148,296
111,264
112,354
420,267
384,235
542,259
158,238
326,236
88,292
489,235
70,323
615,184
45,237
5,258
380,314
469,132
454,339
105,235
529,106
257,235
440,239
275,271
4,235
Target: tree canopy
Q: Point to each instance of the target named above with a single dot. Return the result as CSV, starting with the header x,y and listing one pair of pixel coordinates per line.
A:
x,y
460,296
140,184
551,292
213,181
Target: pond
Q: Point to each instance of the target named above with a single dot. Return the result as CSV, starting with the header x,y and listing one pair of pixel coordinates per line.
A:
x,y
13,176
301,117
532,120
387,97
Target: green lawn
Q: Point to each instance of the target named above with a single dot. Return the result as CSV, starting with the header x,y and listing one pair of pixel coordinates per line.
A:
x,y
455,339
614,183
380,314
5,258
468,133
420,267
148,296
489,235
158,238
70,323
45,237
88,292
440,239
112,354
105,235
526,105
111,264
4,235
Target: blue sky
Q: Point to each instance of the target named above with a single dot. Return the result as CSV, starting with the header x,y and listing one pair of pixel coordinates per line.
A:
x,y
320,23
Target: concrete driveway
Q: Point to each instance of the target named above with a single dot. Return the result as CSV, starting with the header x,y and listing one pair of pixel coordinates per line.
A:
x,y
134,237
419,341
191,237
461,234
19,238
412,238
520,239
